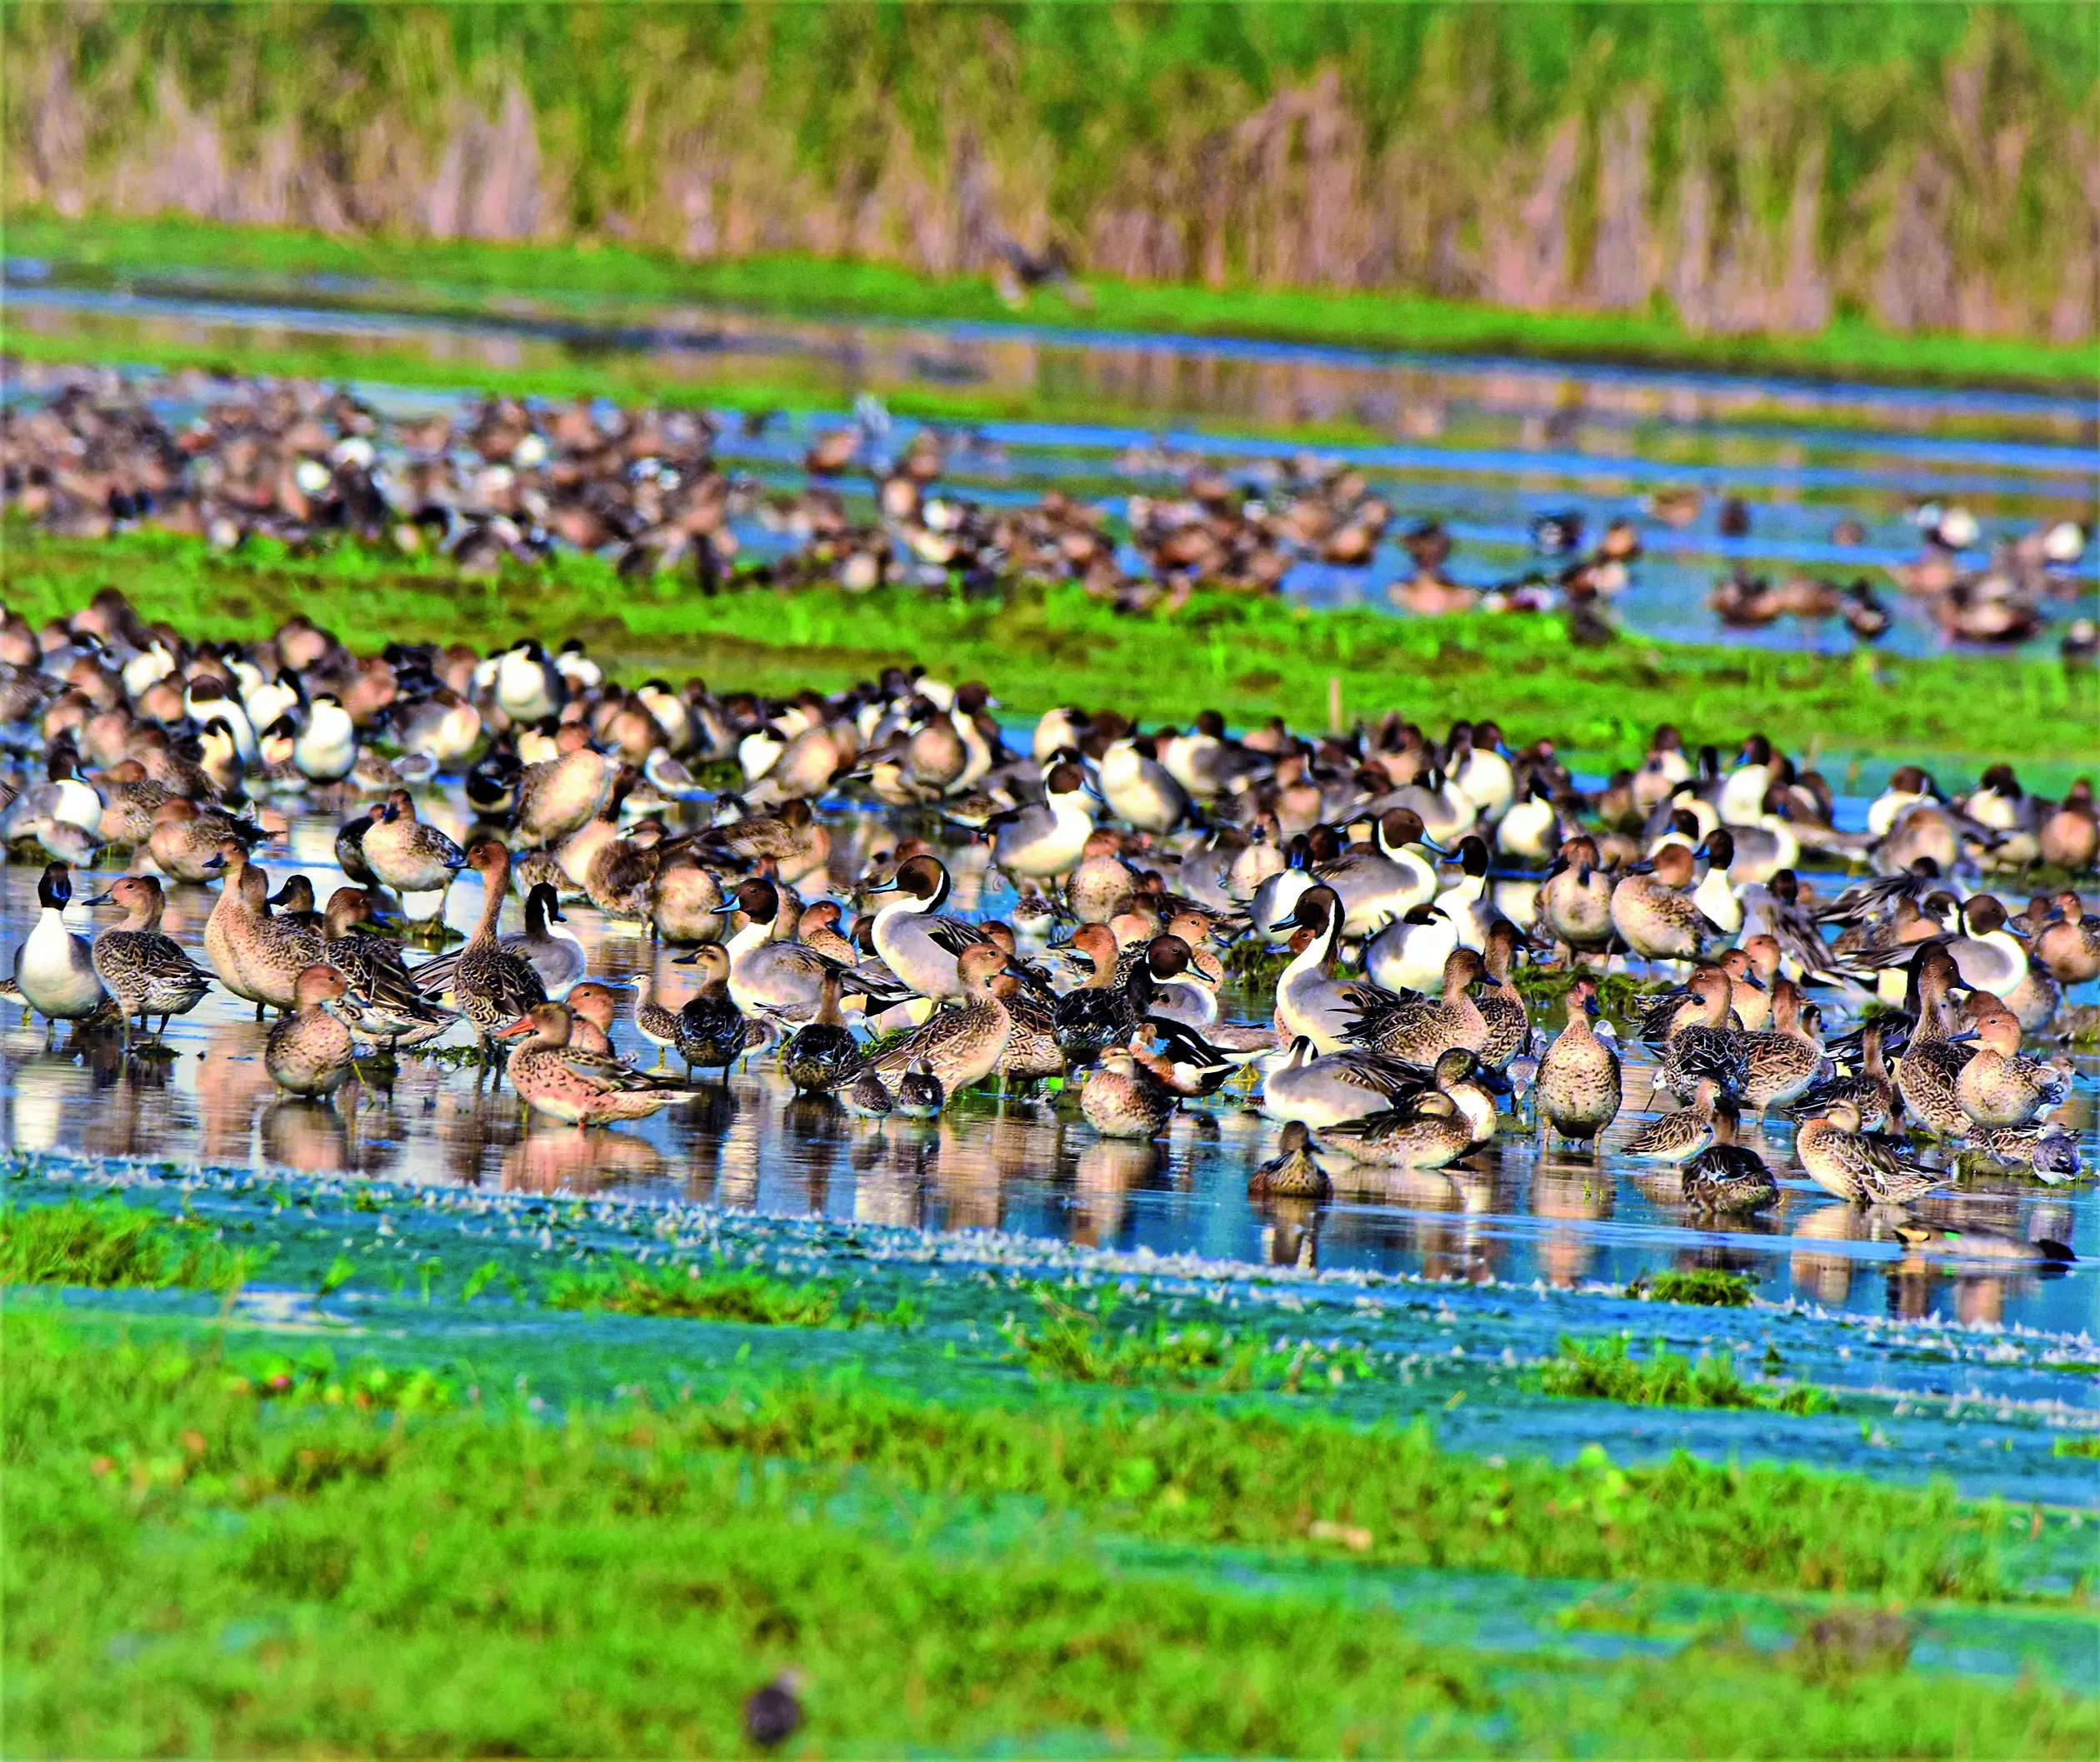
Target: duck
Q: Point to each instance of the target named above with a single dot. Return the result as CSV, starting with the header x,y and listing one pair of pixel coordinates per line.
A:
x,y
230,927
1416,1029
1575,900
1044,841
1654,914
768,976
54,969
1124,1099
186,840
1309,999
1579,1084
961,1044
310,1052
148,973
822,1055
408,855
593,1010
709,1029
657,1021
1292,1173
1320,1089
1784,1059
919,945
2068,944
1140,790
1433,1133
494,986
867,1097
2000,1087
1726,1177
1679,1136
2048,1151
1409,952
1706,1047
1501,1005
1986,954
1929,1073
325,749
685,907
560,794
1869,1088
1386,879
1860,1167
919,1094
793,841
563,1082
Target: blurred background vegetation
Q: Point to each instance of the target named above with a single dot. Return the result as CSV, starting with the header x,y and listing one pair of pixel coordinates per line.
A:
x,y
1741,167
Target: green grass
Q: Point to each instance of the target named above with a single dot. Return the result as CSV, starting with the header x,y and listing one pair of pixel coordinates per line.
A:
x,y
112,1247
193,1569
1071,1344
2087,1447
1248,658
1703,1285
1605,1370
811,286
715,1293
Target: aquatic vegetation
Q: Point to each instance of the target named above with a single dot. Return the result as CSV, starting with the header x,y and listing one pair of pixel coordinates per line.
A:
x,y
112,1247
304,1576
1250,658
2088,1446
1703,1285
1087,1345
1606,1370
718,1292
315,1376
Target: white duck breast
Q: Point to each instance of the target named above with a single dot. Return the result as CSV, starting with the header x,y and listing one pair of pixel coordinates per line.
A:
x,y
1718,899
1466,902
78,804
1993,962
1486,780
267,699
1409,953
148,667
1140,790
326,750
1882,813
759,750
528,689
1529,831
1045,838
1742,795
1193,761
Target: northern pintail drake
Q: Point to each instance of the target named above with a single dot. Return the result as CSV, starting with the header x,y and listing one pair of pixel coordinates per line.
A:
x,y
1654,913
780,978
1044,841
1579,1086
1385,879
1292,1173
1310,1000
922,947
54,969
1323,1090
148,972
1861,1167
1999,1086
565,1082
310,1052
1986,954
962,1044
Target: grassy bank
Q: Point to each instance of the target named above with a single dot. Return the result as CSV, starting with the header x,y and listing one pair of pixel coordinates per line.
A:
x,y
443,277
1249,658
438,1577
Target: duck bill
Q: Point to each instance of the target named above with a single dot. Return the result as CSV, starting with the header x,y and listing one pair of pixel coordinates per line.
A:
x,y
523,1025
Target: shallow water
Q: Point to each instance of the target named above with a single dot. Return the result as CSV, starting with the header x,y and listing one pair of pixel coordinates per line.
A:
x,y
1031,1167
1483,445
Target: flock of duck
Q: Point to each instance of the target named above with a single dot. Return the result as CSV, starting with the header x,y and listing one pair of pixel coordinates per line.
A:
x,y
1396,887
503,482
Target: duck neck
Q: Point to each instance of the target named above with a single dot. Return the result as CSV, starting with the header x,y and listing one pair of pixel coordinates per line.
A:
x,y
495,884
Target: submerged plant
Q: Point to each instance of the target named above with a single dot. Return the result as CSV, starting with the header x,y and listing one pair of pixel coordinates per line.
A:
x,y
113,1246
1606,1370
1704,1284
1083,1345
717,1292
